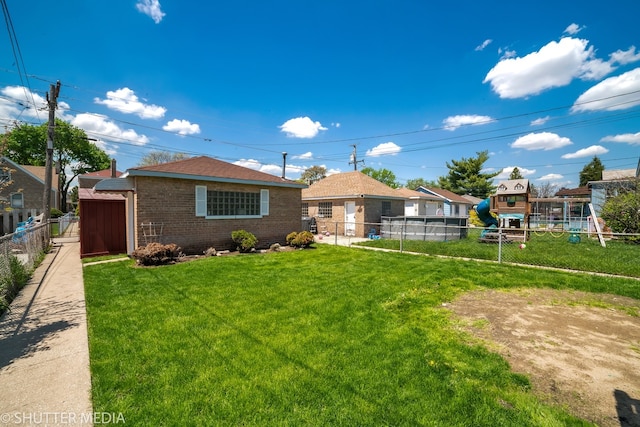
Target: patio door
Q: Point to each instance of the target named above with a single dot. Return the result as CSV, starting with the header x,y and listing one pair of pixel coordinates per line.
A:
x,y
349,218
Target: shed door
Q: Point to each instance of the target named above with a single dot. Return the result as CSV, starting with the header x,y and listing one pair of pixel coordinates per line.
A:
x,y
350,218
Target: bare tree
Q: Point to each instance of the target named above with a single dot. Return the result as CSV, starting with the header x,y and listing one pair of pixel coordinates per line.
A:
x,y
544,190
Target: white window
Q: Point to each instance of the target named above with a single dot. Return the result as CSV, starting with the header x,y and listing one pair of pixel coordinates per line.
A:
x,y
231,204
17,200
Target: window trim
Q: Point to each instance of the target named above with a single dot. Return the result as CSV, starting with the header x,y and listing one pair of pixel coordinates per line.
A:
x,y
13,205
201,196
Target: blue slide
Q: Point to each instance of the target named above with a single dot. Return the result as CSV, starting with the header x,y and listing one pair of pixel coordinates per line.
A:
x,y
484,213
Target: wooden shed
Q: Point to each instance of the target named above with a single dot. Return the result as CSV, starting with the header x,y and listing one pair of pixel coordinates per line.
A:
x,y
102,223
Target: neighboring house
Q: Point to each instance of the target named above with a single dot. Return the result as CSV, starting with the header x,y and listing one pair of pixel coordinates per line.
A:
x,y
612,183
451,203
350,203
196,203
89,180
474,201
418,203
22,192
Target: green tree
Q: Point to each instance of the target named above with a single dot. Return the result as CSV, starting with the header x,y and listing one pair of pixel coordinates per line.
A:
x,y
415,183
383,175
158,157
591,171
73,153
622,212
466,177
515,174
313,174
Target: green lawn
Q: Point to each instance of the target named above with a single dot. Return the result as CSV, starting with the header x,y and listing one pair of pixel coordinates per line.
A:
x,y
327,336
542,249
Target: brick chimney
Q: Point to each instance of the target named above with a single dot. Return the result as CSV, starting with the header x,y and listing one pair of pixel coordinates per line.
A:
x,y
113,168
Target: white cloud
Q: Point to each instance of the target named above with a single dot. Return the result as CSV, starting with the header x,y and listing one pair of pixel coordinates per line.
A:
x,y
384,149
301,127
103,128
126,101
273,169
614,93
594,150
484,44
506,172
505,53
152,9
541,141
337,124
624,57
454,122
554,65
629,138
18,102
573,29
305,156
550,177
182,127
540,121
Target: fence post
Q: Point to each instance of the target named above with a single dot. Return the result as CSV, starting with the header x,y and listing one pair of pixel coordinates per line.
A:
x,y
402,233
499,245
335,234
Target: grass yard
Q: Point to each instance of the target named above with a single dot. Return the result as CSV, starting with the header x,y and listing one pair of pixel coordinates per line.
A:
x,y
542,249
326,336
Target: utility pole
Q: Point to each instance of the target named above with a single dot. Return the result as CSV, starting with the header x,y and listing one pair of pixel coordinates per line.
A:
x,y
52,101
354,159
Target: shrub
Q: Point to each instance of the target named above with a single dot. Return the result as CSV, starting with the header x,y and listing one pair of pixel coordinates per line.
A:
x,y
56,213
156,254
10,285
290,237
302,239
244,240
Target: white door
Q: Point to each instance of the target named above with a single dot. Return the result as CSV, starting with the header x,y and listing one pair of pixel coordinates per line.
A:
x,y
349,218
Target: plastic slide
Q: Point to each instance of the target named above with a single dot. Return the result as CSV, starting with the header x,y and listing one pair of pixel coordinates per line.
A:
x,y
484,214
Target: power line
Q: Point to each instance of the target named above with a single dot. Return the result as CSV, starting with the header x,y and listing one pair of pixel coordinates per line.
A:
x,y
17,54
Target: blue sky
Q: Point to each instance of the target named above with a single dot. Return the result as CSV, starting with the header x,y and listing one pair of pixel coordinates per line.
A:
x,y
542,86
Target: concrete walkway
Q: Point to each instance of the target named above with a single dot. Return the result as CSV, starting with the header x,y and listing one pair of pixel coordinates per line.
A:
x,y
44,351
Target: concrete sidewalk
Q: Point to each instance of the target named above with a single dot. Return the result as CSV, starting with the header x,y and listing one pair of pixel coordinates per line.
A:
x,y
44,351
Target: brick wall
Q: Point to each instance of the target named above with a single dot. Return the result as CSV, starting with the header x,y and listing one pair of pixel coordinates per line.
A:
x,y
368,214
32,190
172,203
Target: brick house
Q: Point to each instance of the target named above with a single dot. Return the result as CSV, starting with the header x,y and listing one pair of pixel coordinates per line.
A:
x,y
196,203
22,192
350,203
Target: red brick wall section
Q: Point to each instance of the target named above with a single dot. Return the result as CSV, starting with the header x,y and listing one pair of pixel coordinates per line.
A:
x,y
172,203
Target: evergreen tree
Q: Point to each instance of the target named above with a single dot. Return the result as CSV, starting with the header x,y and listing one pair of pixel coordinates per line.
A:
x,y
591,172
465,176
515,174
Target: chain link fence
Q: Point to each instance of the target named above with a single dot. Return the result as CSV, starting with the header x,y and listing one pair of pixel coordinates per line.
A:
x,y
19,254
573,249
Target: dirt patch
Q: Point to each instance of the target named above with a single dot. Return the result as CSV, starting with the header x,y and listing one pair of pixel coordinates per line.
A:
x,y
580,350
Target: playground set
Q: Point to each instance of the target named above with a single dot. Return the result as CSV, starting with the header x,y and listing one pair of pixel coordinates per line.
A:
x,y
507,210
